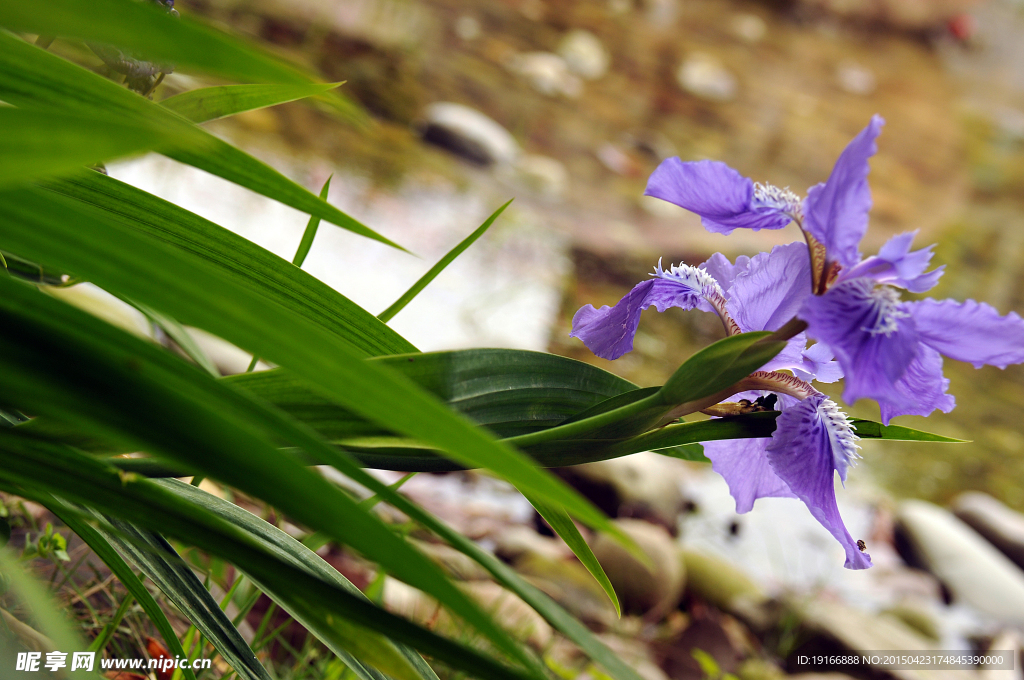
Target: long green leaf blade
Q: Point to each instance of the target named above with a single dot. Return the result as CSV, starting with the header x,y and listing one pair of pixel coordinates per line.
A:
x,y
44,226
255,268
567,531
210,103
36,144
32,78
147,29
38,465
99,545
288,548
159,561
424,280
106,379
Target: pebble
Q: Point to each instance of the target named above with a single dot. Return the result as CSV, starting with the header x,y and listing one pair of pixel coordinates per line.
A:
x,y
855,78
718,582
704,76
469,133
547,73
584,54
467,28
749,28
1001,526
648,485
641,589
543,174
973,570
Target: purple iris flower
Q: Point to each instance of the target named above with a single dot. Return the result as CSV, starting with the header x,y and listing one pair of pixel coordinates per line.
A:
x,y
890,350
754,294
834,213
747,296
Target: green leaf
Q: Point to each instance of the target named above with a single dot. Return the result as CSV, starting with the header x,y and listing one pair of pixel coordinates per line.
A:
x,y
36,465
867,429
424,280
43,225
509,391
82,370
310,233
147,29
719,366
567,531
32,78
210,103
158,560
36,144
99,545
272,278
371,645
176,332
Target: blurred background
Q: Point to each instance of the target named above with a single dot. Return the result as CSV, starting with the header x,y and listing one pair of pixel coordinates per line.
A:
x,y
568,106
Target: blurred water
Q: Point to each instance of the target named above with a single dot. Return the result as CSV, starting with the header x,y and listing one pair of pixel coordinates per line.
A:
x,y
503,292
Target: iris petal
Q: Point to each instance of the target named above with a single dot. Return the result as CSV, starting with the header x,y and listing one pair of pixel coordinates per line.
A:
x,y
608,332
970,331
872,336
836,212
801,454
721,196
744,465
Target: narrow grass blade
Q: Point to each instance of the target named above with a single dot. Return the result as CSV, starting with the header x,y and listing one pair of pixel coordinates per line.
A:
x,y
99,545
280,543
103,378
42,225
147,29
34,79
40,465
211,103
255,268
155,557
424,280
36,144
567,531
310,233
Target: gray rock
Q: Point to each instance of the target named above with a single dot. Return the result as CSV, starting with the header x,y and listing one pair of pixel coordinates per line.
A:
x,y
975,572
469,133
704,76
642,589
584,54
1001,526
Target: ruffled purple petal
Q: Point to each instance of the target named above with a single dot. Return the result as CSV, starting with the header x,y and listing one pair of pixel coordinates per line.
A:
x,y
870,332
970,331
803,454
836,212
897,266
721,196
744,465
723,271
608,332
772,288
817,364
921,389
